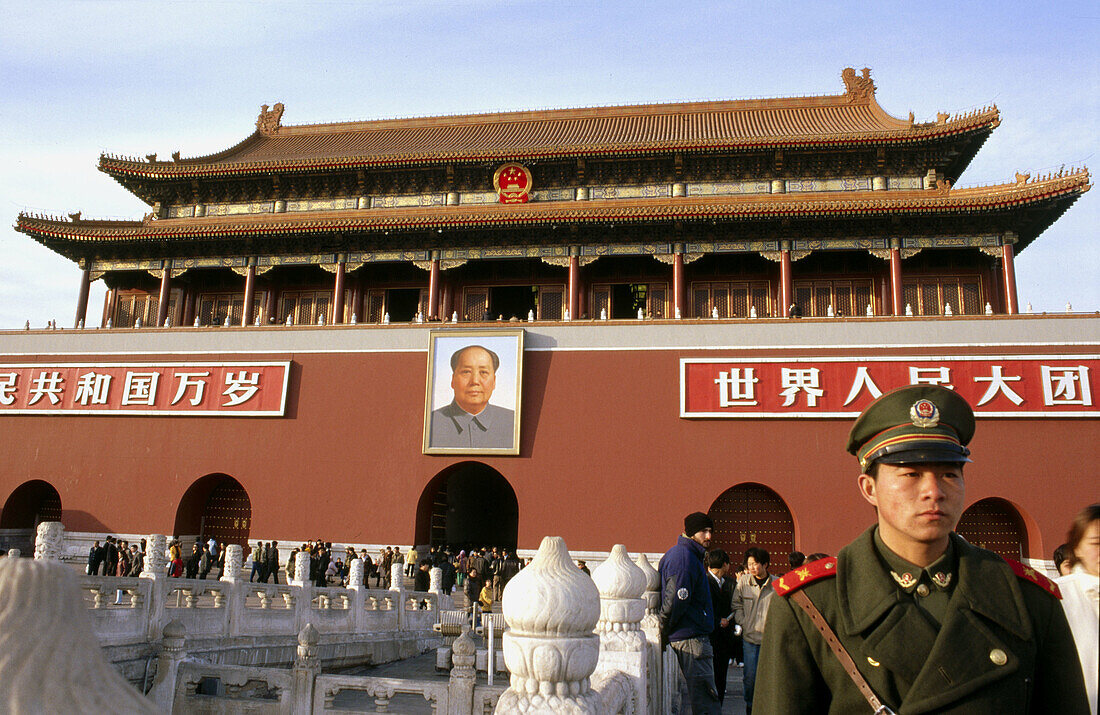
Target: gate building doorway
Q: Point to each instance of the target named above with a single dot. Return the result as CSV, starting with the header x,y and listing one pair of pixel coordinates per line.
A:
x,y
750,515
215,507
468,505
994,524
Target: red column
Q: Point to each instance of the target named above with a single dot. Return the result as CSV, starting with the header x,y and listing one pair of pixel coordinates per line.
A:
x,y
165,292
574,287
1007,263
896,299
338,295
678,284
82,297
249,295
433,290
448,300
357,299
785,290
272,304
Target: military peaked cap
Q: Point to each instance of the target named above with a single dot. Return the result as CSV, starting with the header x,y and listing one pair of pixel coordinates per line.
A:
x,y
918,424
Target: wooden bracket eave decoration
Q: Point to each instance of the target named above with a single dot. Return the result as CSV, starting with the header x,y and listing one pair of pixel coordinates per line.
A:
x,y
994,251
447,264
561,262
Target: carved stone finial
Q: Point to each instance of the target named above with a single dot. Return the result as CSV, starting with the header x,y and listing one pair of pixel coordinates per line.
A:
x,y
942,117
1021,179
53,659
301,568
155,560
435,580
176,155
49,540
269,120
308,638
75,216
551,650
858,88
355,574
619,577
234,557
151,158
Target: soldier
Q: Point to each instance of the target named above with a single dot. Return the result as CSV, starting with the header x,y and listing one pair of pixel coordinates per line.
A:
x,y
910,617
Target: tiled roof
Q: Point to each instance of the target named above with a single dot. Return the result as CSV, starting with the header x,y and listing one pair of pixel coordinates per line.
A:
x,y
846,119
743,207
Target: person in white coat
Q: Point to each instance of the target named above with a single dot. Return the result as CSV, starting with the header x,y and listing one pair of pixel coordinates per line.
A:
x,y
1081,596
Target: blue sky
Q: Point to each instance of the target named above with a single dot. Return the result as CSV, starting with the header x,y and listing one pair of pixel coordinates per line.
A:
x,y
134,78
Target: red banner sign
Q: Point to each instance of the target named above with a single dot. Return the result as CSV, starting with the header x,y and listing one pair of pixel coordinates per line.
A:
x,y
998,386
223,389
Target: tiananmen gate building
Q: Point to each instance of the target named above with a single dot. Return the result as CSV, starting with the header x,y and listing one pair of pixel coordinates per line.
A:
x,y
687,305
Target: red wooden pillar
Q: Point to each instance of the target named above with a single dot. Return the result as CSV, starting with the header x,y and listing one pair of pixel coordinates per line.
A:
x,y
272,305
574,287
188,315
249,295
1009,268
896,299
356,299
678,306
448,300
338,295
165,292
82,297
433,290
786,293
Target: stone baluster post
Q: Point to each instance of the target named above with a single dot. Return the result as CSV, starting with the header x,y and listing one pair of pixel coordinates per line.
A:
x,y
397,585
302,590
435,585
307,666
154,570
650,628
357,587
231,577
551,649
171,654
49,541
623,646
460,688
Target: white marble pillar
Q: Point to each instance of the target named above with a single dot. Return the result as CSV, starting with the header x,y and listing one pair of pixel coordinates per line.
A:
x,y
49,541
623,647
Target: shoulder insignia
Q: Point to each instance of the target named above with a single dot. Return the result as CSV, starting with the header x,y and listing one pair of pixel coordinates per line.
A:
x,y
1030,574
799,577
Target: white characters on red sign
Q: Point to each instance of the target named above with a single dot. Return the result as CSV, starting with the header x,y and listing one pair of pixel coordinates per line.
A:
x,y
188,379
141,388
862,381
733,389
931,376
998,382
43,386
7,387
240,387
1066,385
92,388
804,380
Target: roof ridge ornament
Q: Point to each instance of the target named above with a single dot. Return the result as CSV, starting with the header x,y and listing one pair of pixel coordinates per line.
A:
x,y
858,88
269,120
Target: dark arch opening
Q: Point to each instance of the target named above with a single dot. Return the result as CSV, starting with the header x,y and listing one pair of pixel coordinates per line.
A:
x,y
215,507
468,504
750,515
995,524
30,504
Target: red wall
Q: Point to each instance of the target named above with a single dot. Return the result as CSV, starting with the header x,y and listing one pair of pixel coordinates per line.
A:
x,y
605,457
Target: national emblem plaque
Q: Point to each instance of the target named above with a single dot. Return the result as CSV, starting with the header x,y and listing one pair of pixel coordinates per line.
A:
x,y
513,183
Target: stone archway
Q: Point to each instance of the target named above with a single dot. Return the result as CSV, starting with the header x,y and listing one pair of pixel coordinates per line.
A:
x,y
749,515
30,504
997,525
215,507
468,504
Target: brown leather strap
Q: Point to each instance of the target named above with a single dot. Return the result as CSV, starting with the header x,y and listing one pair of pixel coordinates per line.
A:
x,y
841,654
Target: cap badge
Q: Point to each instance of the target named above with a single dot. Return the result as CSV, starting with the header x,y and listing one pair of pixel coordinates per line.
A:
x,y
924,413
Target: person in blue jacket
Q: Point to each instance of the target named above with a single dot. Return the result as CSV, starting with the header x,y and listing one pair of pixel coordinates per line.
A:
x,y
687,614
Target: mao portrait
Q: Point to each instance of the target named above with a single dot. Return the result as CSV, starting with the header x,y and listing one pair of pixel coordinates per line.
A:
x,y
473,392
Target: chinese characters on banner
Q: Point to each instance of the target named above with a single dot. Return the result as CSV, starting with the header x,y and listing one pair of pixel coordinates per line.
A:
x,y
1012,386
226,389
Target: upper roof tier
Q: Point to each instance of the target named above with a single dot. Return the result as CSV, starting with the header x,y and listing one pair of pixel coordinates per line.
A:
x,y
849,119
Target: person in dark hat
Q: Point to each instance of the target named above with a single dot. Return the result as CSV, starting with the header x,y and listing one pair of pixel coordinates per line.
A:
x,y
910,617
686,615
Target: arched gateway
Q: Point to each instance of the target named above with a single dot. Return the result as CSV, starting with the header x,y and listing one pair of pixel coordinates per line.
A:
x,y
469,503
30,504
995,524
215,507
753,515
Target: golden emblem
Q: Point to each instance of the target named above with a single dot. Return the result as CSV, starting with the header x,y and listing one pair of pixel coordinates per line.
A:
x,y
803,574
998,656
513,183
924,413
941,579
906,580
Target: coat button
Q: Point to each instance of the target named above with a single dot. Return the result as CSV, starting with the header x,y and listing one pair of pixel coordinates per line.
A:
x,y
922,590
998,656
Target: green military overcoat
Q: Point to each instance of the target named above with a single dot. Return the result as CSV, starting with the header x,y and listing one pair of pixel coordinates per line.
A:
x,y
1004,645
